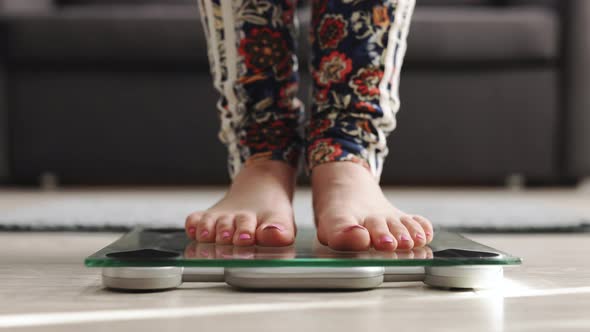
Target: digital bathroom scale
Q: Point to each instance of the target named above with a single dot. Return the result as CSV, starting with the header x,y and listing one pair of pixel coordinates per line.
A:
x,y
158,259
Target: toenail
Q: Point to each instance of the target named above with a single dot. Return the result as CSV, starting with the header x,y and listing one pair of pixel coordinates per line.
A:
x,y
348,229
192,230
244,236
386,239
205,253
225,235
420,236
273,226
427,233
404,238
204,233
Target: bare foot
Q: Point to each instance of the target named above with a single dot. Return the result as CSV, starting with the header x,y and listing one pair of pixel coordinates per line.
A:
x,y
351,212
255,210
321,251
200,250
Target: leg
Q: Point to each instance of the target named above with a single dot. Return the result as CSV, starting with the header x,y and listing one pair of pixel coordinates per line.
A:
x,y
251,53
358,52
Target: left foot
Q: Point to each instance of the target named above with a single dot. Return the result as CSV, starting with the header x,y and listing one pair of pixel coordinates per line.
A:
x,y
202,250
352,213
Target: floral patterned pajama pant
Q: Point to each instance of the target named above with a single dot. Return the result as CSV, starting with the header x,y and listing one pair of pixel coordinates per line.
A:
x,y
357,51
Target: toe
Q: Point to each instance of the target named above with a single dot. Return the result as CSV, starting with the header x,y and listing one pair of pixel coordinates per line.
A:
x,y
224,229
275,231
205,251
190,251
206,228
245,225
401,234
415,230
381,238
406,254
244,252
422,253
345,233
426,227
272,253
224,252
190,225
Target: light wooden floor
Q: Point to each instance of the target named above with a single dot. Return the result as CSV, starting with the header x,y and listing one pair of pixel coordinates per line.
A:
x,y
45,287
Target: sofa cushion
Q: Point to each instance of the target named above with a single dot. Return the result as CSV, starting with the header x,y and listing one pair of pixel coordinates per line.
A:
x,y
120,2
455,2
304,2
173,34
28,5
447,3
485,34
105,34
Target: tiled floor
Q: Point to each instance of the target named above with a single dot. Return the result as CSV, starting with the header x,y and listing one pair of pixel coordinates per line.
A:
x,y
45,287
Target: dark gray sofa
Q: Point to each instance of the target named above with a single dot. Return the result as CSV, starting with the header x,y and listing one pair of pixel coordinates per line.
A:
x,y
119,92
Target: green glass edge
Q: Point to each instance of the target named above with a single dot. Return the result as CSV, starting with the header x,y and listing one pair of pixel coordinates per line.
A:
x,y
302,262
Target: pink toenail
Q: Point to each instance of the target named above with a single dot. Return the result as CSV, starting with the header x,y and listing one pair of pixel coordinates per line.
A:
x,y
273,226
225,235
427,234
192,230
204,233
244,236
348,229
404,238
386,239
205,253
419,236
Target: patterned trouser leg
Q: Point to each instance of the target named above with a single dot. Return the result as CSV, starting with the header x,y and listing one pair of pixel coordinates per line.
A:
x,y
358,48
251,47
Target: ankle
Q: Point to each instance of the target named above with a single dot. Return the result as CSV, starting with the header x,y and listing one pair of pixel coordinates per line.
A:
x,y
340,173
271,167
274,175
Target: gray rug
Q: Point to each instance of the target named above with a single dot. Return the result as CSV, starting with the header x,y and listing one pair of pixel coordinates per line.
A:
x,y
108,211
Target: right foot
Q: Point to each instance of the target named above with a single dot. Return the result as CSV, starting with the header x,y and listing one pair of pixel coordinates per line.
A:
x,y
353,214
255,210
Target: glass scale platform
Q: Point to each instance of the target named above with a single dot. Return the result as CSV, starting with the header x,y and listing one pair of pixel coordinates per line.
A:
x,y
156,259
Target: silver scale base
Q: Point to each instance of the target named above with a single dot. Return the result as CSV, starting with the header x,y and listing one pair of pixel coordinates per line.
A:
x,y
352,278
